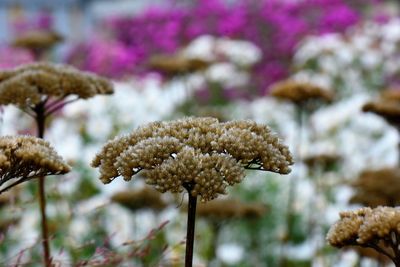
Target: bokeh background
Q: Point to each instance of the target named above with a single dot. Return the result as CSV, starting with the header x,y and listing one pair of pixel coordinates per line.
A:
x,y
174,58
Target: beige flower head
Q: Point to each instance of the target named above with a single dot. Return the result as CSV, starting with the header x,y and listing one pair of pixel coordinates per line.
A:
x,y
387,106
38,39
301,93
230,209
25,157
377,228
173,65
201,155
377,188
31,84
137,199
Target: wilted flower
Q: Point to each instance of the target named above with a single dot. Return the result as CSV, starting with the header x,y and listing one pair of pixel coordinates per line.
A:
x,y
376,228
26,157
145,198
377,188
201,155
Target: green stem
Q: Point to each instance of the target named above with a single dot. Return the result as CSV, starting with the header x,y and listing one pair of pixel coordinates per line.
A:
x,y
40,122
190,228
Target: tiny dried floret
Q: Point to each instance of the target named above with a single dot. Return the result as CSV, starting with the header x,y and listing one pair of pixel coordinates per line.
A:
x,y
377,228
30,84
197,153
300,92
26,157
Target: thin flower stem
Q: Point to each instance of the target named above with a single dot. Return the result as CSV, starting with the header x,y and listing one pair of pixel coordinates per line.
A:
x,y
190,228
40,122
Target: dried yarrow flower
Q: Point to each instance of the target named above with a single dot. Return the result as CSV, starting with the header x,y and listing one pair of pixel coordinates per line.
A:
x,y
37,39
25,157
138,199
377,228
197,153
301,93
387,106
220,209
173,65
33,84
377,188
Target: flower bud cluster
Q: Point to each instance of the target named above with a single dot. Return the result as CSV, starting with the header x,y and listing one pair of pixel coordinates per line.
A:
x,y
367,227
26,157
201,155
29,84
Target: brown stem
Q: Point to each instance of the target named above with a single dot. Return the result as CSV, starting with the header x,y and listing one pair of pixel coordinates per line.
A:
x,y
190,227
40,122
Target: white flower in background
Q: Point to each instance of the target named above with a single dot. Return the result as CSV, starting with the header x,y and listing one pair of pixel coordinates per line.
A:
x,y
359,60
230,253
202,47
227,74
239,52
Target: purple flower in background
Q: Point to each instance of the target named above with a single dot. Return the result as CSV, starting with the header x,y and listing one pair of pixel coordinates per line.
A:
x,y
275,26
11,57
109,58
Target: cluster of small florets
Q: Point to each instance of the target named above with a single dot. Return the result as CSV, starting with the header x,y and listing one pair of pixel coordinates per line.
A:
x,y
37,39
376,228
30,84
26,157
197,153
300,92
230,208
372,190
137,199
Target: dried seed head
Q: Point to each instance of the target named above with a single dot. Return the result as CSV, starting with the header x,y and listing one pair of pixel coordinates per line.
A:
x,y
200,153
29,84
177,64
26,157
38,39
376,228
145,198
301,93
375,188
220,209
387,106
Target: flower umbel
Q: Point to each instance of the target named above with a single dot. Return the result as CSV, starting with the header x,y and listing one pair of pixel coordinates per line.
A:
x,y
26,157
200,153
32,84
376,228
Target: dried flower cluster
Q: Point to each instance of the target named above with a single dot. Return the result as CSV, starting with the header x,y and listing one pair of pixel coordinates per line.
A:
x,y
201,155
300,92
145,198
38,39
323,161
31,84
231,208
377,228
177,64
27,157
378,188
387,106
